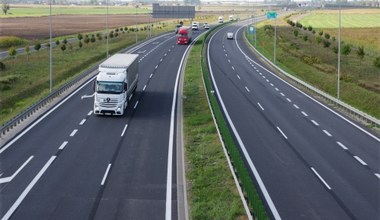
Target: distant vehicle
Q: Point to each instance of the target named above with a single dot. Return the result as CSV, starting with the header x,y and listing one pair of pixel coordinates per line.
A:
x,y
177,28
195,25
220,19
231,18
115,84
206,26
230,36
184,35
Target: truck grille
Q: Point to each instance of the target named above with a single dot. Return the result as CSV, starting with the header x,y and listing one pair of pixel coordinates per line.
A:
x,y
108,103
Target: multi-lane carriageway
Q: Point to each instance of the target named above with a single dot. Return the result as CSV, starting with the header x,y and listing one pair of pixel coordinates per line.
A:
x,y
71,164
309,161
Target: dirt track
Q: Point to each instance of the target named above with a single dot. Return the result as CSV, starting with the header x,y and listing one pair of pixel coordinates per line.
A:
x,y
38,27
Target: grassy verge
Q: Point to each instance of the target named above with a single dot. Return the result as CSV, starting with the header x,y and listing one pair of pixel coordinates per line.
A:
x,y
213,193
317,65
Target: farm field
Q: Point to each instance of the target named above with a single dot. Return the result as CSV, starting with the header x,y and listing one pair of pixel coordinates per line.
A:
x,y
43,10
353,18
312,57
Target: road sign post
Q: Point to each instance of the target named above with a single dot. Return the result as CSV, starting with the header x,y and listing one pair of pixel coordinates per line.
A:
x,y
273,15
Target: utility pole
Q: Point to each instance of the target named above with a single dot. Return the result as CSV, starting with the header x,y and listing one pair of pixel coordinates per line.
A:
x,y
51,50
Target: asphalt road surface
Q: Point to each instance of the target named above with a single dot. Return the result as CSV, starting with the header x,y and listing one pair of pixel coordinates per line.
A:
x,y
310,162
72,164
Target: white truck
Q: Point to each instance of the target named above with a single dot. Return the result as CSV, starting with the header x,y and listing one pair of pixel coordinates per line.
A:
x,y
115,84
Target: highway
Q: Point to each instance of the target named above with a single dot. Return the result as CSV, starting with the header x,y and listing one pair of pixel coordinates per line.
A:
x,y
309,161
71,164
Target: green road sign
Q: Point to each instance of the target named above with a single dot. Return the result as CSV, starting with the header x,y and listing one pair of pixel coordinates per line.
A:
x,y
271,15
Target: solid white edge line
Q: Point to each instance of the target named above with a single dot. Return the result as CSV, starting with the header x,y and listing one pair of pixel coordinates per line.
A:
x,y
319,176
360,161
106,175
63,145
283,134
28,189
242,146
311,98
123,132
10,178
327,133
44,116
82,122
136,104
342,145
73,132
315,123
260,106
169,172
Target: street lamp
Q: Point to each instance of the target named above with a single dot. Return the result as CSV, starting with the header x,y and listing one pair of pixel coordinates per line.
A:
x,y
51,50
107,35
339,42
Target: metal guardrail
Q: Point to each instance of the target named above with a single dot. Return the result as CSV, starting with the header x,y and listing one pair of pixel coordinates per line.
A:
x,y
332,100
43,102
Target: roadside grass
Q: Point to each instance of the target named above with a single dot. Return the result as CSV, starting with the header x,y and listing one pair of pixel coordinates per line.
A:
x,y
212,191
316,65
43,10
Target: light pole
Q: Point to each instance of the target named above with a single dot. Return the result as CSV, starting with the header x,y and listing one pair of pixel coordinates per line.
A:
x,y
51,50
339,41
275,36
107,35
136,20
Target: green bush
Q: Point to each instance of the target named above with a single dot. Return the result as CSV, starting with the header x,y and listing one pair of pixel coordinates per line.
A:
x,y
376,62
2,66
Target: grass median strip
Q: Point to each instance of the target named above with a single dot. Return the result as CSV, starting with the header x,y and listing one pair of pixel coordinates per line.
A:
x,y
212,191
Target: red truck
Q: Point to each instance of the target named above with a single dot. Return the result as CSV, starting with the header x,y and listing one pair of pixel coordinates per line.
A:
x,y
184,35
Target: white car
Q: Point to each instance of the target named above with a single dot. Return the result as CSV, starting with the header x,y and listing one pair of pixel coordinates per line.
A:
x,y
206,26
230,36
195,25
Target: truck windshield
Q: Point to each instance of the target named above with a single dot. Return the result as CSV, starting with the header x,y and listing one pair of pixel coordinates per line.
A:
x,y
109,87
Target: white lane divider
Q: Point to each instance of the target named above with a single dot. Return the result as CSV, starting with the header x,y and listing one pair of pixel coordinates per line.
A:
x,y
246,88
28,189
320,178
289,100
63,145
144,88
327,133
233,67
10,178
315,123
125,128
106,174
73,132
304,113
342,145
282,94
276,89
150,75
238,76
260,106
360,161
377,175
82,122
136,105
90,113
283,134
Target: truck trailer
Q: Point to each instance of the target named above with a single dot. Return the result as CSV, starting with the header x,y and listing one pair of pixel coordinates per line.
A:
x,y
115,84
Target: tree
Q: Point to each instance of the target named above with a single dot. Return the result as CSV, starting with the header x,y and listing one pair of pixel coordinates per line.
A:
x,y
310,28
80,44
376,62
80,36
5,7
360,52
295,32
2,66
86,40
320,33
12,52
27,51
65,41
63,47
327,36
326,43
305,38
57,42
37,46
92,39
335,49
346,50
